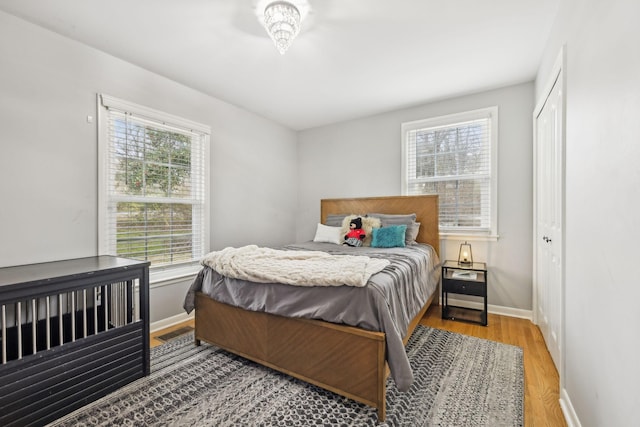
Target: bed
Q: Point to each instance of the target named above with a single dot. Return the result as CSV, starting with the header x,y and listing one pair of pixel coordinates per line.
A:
x,y
352,357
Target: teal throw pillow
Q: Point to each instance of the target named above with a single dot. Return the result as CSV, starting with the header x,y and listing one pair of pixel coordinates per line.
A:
x,y
389,237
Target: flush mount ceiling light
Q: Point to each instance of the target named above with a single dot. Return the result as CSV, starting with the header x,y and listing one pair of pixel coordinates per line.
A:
x,y
282,21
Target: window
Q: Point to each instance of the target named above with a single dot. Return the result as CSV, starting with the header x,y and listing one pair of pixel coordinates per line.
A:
x,y
455,157
153,187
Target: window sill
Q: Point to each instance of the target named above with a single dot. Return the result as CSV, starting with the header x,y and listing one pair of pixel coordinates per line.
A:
x,y
469,237
170,276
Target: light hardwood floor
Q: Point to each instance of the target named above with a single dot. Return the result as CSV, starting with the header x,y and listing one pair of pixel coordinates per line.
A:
x,y
154,341
541,394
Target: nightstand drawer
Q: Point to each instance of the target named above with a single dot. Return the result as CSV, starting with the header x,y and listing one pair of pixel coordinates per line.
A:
x,y
465,287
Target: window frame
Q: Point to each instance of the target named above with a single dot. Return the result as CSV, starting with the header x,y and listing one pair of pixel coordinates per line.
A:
x,y
164,272
490,113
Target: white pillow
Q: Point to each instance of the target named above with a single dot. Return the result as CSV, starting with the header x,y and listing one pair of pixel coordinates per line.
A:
x,y
328,234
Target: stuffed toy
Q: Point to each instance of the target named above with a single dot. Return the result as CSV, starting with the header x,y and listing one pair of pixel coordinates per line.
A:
x,y
356,234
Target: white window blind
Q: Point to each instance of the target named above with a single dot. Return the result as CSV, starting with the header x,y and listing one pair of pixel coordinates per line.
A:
x,y
153,188
453,156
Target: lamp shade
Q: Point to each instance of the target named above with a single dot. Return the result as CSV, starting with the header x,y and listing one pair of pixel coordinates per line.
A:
x,y
465,256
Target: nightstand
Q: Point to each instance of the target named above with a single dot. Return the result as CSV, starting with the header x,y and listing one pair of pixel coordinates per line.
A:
x,y
464,280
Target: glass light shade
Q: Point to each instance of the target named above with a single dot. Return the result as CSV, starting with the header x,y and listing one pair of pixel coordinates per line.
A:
x,y
465,256
282,21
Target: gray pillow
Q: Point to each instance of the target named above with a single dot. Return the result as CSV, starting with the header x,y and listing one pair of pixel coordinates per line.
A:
x,y
335,220
412,233
399,219
394,219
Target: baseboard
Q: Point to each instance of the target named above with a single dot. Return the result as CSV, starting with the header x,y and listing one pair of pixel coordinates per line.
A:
x,y
570,415
170,321
494,309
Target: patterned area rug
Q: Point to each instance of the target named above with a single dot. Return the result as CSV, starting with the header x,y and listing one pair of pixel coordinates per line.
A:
x,y
459,381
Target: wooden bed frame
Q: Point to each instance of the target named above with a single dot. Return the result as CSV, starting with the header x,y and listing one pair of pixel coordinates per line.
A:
x,y
345,360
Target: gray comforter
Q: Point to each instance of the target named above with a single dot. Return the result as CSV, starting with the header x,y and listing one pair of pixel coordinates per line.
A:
x,y
387,303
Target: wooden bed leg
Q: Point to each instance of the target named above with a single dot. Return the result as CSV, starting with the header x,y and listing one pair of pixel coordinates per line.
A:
x,y
382,412
198,342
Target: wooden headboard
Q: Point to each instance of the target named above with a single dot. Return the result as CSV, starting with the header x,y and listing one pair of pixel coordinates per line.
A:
x,y
425,207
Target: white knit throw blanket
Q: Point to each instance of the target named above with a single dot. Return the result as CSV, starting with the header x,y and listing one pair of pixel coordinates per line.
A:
x,y
299,268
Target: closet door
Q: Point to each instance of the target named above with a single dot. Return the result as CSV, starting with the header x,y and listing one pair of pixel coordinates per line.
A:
x,y
548,216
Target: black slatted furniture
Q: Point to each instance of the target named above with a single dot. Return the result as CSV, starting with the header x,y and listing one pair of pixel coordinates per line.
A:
x,y
71,332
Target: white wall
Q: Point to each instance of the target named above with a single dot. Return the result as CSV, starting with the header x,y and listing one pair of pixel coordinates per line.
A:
x,y
362,158
601,372
48,178
48,160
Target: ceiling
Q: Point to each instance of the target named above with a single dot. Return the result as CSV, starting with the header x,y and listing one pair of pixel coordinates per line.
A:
x,y
352,58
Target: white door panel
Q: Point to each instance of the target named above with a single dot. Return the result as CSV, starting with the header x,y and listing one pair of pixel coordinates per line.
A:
x,y
549,220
